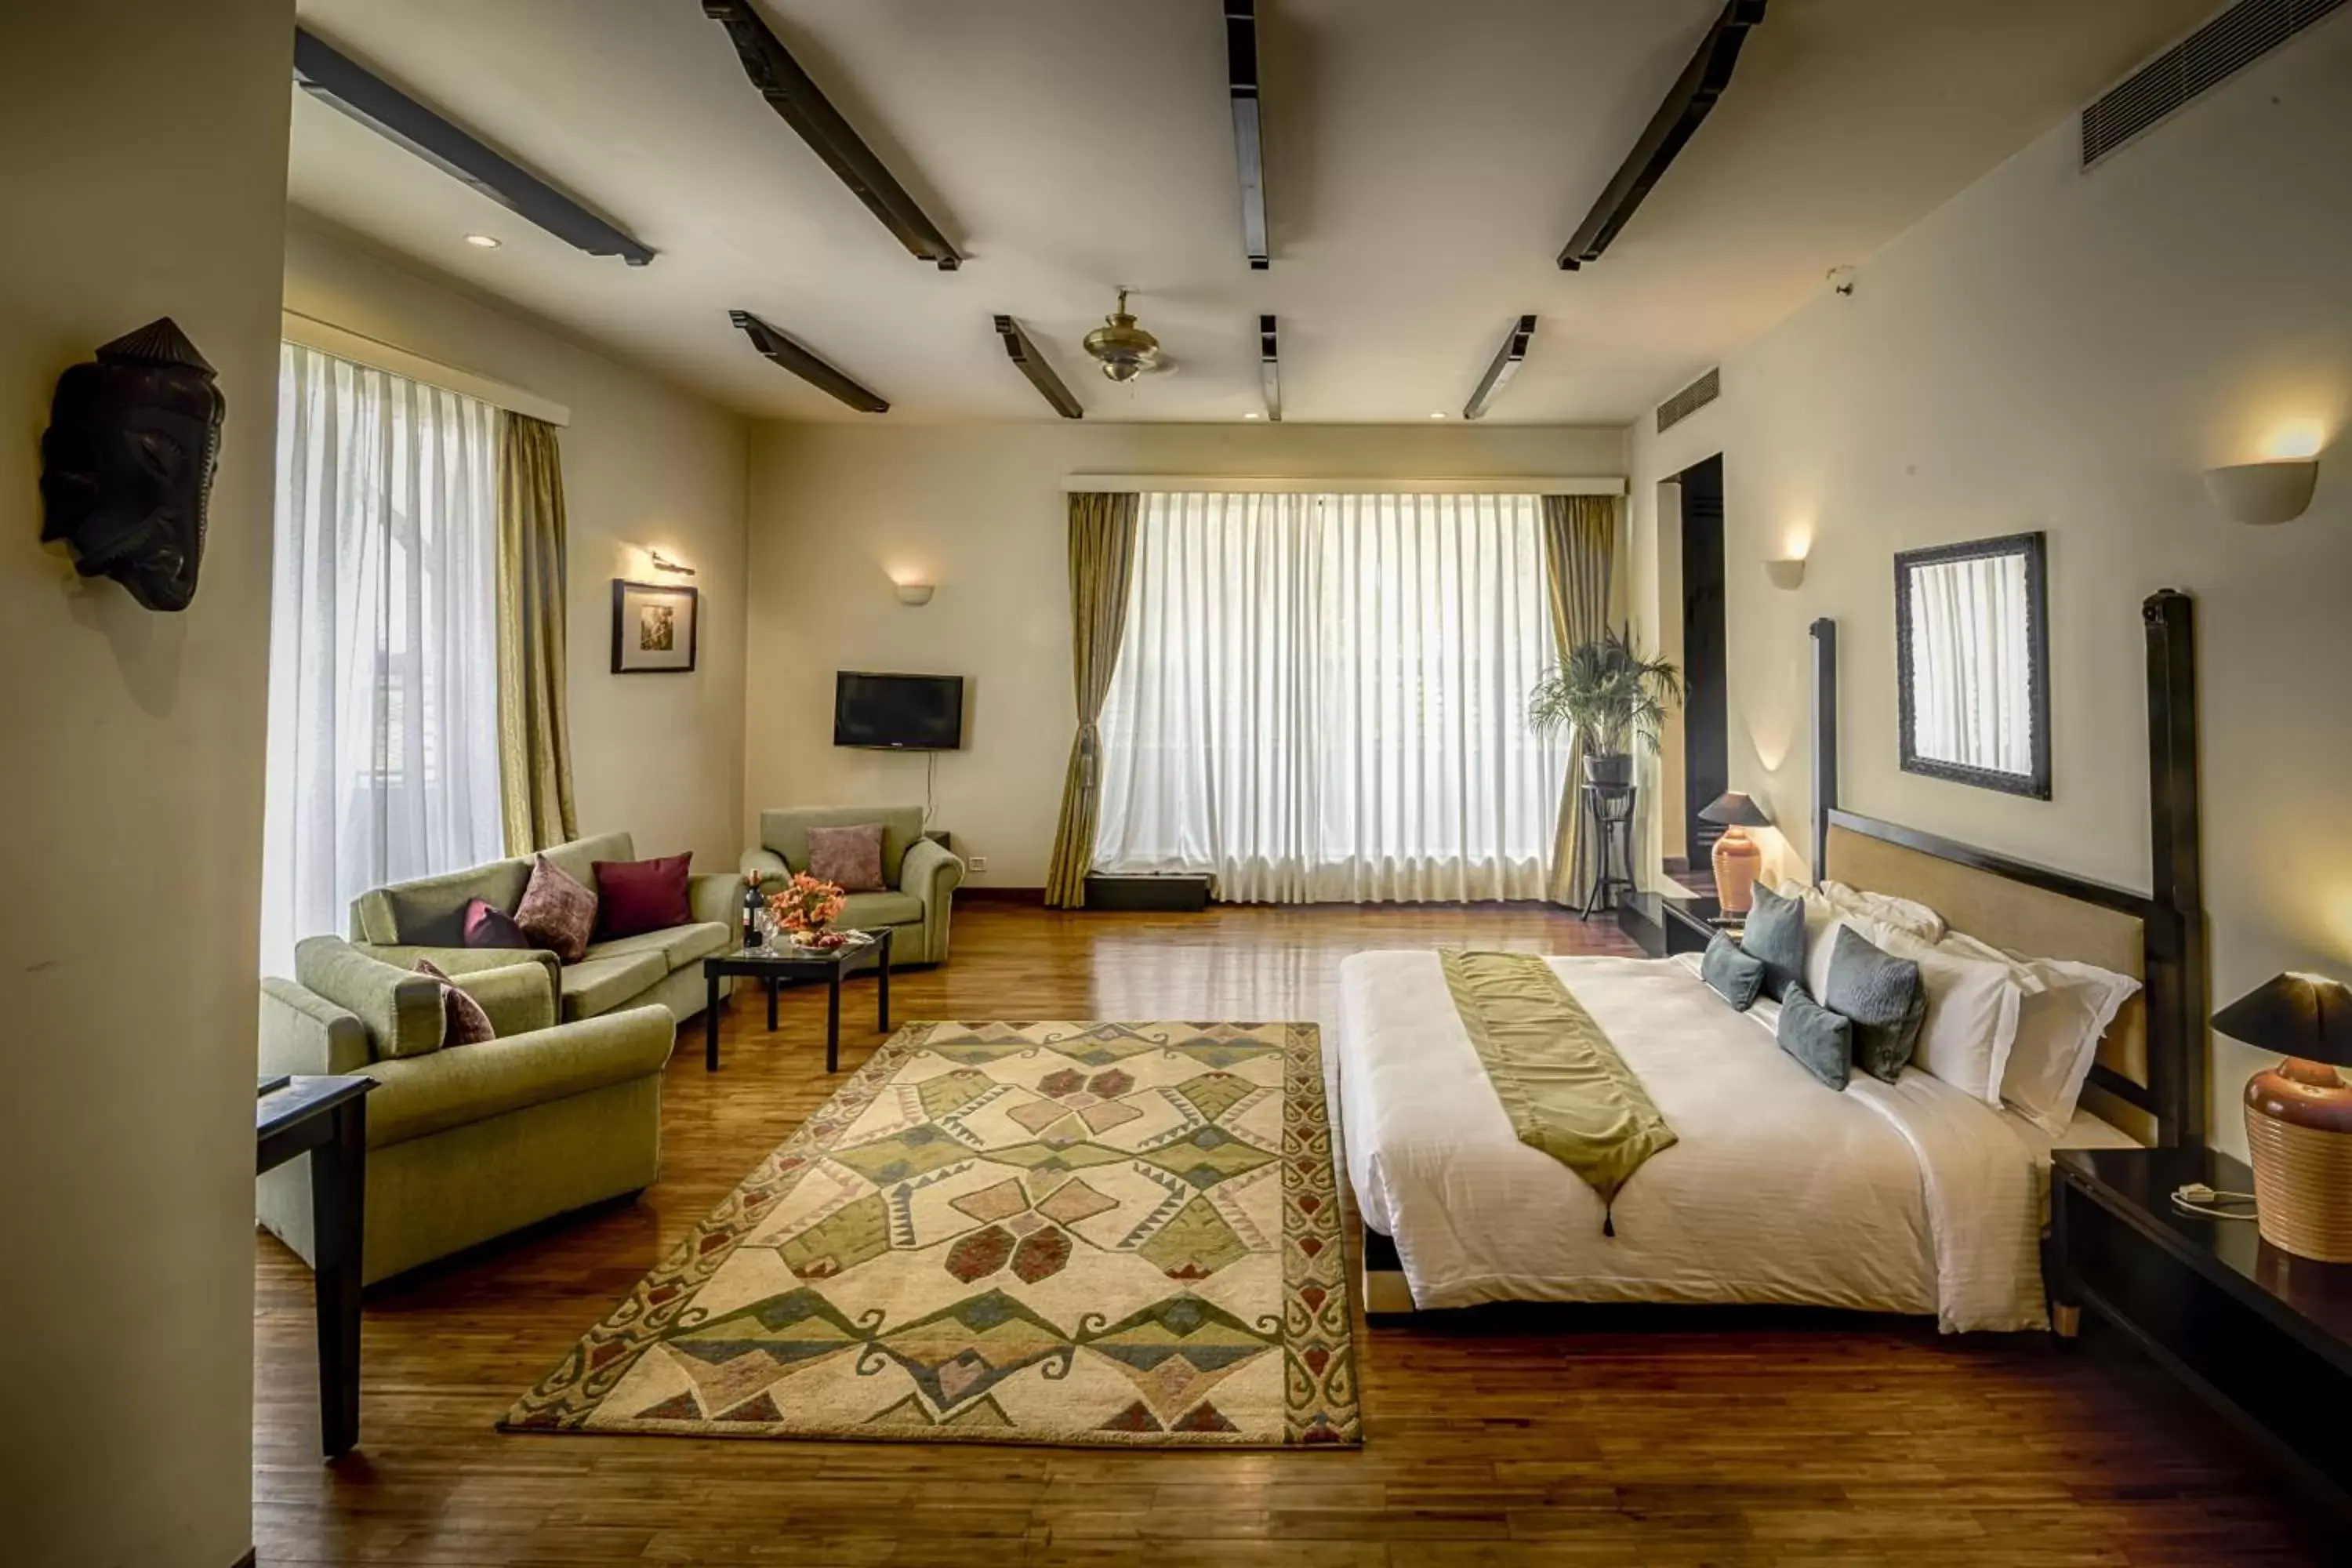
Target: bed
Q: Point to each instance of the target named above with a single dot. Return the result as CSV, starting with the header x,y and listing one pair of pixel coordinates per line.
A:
x,y
1913,1197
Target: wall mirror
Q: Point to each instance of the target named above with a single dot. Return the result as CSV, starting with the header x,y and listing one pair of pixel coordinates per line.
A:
x,y
1972,651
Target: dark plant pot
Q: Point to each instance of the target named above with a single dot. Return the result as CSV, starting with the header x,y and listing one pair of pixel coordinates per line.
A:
x,y
1609,768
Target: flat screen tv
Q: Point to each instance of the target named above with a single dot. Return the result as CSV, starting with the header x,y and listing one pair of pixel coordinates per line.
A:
x,y
897,712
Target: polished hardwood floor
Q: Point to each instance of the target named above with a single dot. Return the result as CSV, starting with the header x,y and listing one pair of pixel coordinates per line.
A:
x,y
1652,1437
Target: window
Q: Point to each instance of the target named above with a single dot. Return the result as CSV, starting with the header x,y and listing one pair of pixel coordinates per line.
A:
x,y
384,756
1323,698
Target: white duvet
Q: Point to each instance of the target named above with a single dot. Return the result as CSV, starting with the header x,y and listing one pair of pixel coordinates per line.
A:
x,y
1909,1197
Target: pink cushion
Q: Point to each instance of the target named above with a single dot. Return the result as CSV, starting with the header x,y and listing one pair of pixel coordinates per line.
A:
x,y
467,1024
848,858
556,912
487,925
633,896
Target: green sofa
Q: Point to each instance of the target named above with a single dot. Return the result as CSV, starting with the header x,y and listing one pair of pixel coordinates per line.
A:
x,y
464,1142
921,876
426,918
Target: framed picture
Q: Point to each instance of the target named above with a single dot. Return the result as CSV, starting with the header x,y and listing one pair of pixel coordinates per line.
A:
x,y
653,627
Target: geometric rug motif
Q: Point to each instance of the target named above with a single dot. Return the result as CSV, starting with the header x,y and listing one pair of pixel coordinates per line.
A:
x,y
1066,1232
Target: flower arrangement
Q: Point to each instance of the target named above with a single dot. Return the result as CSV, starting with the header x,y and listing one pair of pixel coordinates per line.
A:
x,y
805,906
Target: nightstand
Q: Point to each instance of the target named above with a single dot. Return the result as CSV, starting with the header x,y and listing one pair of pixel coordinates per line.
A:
x,y
1669,923
2262,1336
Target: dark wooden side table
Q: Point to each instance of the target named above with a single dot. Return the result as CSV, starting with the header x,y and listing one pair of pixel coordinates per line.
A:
x,y
773,966
326,1118
2262,1336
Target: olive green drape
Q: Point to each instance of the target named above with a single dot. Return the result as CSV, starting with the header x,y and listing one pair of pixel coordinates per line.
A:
x,y
1579,553
534,741
1102,561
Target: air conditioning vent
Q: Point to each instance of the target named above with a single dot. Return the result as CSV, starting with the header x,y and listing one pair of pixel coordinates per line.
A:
x,y
1690,400
2214,52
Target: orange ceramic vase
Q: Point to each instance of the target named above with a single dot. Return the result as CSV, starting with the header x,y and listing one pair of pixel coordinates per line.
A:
x,y
1737,861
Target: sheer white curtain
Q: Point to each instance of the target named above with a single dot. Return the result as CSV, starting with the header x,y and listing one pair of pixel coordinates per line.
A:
x,y
1322,698
1972,691
383,747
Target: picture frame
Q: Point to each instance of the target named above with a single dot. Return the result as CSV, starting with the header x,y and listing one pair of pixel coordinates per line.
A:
x,y
2014,684
656,627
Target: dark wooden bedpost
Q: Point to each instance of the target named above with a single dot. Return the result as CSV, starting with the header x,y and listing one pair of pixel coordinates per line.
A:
x,y
2179,1053
1824,737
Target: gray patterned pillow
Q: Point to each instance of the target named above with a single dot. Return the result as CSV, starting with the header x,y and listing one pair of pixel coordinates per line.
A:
x,y
1731,973
848,858
1882,994
1820,1041
1775,932
556,912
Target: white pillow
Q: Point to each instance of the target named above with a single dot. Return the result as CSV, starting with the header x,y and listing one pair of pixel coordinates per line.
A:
x,y
2058,1035
1973,1008
1905,915
1960,944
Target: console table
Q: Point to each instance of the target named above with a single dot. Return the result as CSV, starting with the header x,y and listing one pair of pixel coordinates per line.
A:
x,y
2262,1336
326,1118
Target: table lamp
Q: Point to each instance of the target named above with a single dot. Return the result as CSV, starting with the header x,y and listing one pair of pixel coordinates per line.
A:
x,y
2299,1113
1737,856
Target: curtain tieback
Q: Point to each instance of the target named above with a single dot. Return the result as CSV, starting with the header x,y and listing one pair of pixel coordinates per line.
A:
x,y
1089,749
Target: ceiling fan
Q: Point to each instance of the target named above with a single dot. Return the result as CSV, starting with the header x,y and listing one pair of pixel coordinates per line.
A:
x,y
1123,350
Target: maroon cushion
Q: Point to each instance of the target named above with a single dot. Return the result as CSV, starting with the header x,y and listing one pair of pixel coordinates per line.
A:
x,y
848,858
487,925
556,912
635,896
466,1024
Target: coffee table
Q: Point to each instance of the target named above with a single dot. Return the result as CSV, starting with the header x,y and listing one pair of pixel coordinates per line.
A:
x,y
782,963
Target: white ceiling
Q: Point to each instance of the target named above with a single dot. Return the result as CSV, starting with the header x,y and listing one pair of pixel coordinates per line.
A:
x,y
1426,164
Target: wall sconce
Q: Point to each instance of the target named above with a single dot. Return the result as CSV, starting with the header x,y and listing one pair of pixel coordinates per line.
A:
x,y
2263,493
664,563
916,594
1786,573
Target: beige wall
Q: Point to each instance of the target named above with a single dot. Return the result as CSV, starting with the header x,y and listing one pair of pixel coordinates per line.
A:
x,y
645,465
2065,350
837,509
143,149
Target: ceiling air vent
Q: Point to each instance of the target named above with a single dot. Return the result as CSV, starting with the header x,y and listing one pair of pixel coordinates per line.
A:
x,y
1689,400
2220,48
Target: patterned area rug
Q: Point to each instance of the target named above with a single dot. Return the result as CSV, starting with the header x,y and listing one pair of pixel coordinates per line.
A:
x,y
1070,1233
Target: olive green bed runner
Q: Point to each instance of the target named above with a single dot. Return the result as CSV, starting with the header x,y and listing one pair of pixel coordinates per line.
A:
x,y
1567,1091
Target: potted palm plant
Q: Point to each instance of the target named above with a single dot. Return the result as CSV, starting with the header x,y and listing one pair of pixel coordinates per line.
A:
x,y
1608,693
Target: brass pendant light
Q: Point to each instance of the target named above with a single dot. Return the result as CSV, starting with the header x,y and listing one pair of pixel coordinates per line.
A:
x,y
1122,349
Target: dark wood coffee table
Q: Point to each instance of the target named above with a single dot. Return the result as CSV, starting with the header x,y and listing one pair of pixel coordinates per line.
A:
x,y
326,1118
773,966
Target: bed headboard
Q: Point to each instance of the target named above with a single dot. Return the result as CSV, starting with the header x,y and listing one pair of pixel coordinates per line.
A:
x,y
2150,1078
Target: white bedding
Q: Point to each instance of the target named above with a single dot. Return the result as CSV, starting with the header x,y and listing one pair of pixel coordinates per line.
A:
x,y
1911,1198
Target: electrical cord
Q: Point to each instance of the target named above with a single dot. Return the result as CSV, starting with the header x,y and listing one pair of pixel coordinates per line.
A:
x,y
931,785
2200,1199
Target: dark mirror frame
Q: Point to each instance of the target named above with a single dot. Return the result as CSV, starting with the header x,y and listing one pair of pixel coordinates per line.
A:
x,y
2036,783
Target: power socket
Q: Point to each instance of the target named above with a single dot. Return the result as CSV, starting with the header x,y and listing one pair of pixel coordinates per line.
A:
x,y
978,863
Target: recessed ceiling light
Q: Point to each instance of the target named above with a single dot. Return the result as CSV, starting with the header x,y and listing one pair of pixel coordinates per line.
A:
x,y
482,241
1439,415
1253,415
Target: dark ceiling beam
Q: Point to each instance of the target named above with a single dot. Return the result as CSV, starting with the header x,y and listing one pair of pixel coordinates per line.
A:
x,y
1506,365
1677,120
792,94
1270,368
1032,364
807,365
334,79
1249,141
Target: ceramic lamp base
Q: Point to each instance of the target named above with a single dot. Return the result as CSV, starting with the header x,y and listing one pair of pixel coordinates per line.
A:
x,y
1737,861
2299,1132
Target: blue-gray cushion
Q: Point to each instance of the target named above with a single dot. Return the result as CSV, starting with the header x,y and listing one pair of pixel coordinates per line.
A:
x,y
1731,973
1820,1041
1775,933
1882,994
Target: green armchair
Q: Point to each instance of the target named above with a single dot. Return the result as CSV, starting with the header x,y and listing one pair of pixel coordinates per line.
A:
x,y
919,876
464,1142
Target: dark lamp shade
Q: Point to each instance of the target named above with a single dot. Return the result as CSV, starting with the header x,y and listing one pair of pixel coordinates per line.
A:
x,y
1734,809
2307,1015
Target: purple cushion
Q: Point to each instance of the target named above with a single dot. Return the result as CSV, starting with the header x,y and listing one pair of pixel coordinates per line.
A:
x,y
556,912
487,925
633,896
848,858
467,1024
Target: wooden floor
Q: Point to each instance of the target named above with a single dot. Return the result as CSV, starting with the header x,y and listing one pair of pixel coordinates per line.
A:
x,y
1668,1440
